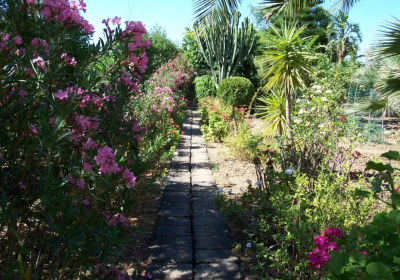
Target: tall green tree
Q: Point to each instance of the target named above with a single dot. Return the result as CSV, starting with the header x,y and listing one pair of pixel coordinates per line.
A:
x,y
316,18
288,58
162,49
192,54
225,45
344,36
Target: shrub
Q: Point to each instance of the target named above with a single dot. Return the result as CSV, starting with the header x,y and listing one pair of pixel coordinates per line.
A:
x,y
76,137
204,86
235,91
214,119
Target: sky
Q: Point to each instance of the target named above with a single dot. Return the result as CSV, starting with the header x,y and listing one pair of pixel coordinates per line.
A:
x,y
175,15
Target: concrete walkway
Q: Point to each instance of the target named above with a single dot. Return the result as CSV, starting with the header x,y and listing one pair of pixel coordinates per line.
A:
x,y
192,239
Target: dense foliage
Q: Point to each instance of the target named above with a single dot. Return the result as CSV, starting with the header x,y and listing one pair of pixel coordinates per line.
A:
x,y
204,86
77,136
235,91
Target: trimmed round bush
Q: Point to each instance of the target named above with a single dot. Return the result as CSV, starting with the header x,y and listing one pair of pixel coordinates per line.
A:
x,y
204,86
235,91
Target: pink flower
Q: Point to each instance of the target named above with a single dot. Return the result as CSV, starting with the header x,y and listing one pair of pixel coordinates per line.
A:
x,y
80,183
129,178
22,93
33,129
61,94
105,159
18,40
6,37
87,166
116,20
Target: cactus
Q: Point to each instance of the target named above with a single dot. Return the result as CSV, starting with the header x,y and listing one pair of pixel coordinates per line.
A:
x,y
223,44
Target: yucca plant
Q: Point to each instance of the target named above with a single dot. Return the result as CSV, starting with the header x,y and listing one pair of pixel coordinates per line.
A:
x,y
288,56
272,112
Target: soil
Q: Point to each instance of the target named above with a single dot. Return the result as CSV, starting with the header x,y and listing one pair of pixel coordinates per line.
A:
x,y
235,175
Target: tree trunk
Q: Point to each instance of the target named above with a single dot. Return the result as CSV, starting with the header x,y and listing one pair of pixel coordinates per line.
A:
x,y
289,134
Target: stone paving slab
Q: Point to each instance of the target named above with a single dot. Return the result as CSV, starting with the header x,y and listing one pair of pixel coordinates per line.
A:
x,y
174,241
181,271
175,205
217,271
179,177
172,186
211,230
201,203
215,256
173,221
202,179
180,166
168,254
173,230
203,221
171,196
215,213
175,212
212,192
200,165
207,242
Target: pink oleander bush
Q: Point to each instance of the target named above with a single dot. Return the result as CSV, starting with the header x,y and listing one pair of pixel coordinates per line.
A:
x,y
76,136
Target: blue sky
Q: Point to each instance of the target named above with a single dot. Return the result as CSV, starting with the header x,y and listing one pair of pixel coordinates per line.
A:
x,y
175,15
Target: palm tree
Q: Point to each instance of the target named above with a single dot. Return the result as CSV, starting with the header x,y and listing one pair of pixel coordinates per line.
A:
x,y
345,36
288,63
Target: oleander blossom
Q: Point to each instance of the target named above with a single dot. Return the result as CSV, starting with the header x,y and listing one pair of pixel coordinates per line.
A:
x,y
105,159
325,243
129,178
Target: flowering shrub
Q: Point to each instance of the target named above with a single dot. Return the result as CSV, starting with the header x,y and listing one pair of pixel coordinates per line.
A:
x,y
373,251
175,74
74,138
298,194
320,256
215,119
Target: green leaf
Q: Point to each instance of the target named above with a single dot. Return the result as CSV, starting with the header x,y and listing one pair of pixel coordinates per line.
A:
x,y
379,167
360,192
378,271
381,218
376,185
396,198
392,245
358,258
338,263
396,260
21,267
391,155
394,217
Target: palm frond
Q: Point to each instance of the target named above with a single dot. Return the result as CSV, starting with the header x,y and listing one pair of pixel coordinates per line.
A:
x,y
345,5
371,105
273,113
203,9
389,43
289,7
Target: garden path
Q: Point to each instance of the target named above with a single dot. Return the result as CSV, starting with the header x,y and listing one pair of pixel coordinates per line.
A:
x,y
191,238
